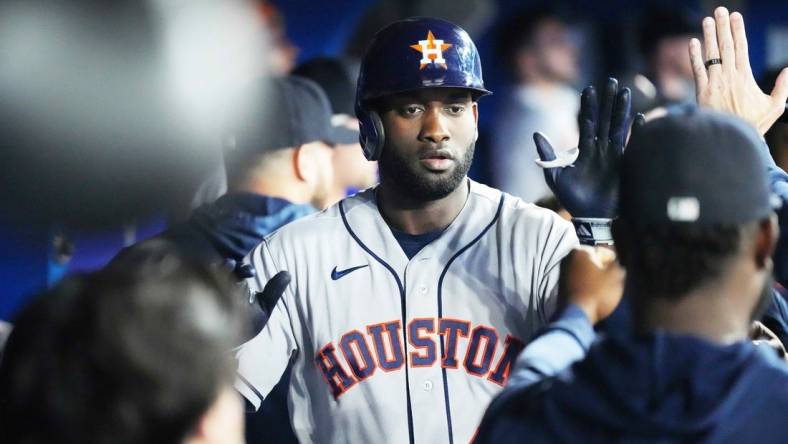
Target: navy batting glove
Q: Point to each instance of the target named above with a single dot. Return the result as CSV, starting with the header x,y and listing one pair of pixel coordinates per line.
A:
x,y
262,303
273,290
587,186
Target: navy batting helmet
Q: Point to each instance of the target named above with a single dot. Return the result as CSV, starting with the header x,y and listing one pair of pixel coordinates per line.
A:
x,y
408,55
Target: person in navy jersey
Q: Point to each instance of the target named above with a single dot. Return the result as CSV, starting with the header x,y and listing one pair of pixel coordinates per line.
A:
x,y
698,273
696,234
761,111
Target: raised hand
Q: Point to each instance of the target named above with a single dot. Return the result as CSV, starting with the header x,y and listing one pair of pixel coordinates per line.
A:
x,y
273,290
723,76
260,304
587,186
592,279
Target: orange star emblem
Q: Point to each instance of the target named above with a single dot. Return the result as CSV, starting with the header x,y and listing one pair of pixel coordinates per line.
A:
x,y
431,51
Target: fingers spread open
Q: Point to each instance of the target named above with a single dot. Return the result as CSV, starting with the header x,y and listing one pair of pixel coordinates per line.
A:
x,y
740,43
273,290
698,70
725,39
606,113
710,48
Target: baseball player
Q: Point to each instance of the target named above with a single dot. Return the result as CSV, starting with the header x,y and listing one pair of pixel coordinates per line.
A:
x,y
410,301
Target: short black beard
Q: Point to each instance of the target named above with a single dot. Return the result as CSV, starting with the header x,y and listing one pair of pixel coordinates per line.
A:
x,y
418,186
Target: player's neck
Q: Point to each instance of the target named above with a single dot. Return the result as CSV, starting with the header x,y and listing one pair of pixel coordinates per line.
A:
x,y
712,311
417,217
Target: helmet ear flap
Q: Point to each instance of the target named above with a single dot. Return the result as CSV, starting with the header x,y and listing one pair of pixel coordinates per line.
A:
x,y
372,137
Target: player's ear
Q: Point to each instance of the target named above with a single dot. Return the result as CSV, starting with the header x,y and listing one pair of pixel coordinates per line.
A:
x,y
314,164
768,232
302,163
475,107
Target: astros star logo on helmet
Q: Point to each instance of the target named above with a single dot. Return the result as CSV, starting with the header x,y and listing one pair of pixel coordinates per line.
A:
x,y
431,51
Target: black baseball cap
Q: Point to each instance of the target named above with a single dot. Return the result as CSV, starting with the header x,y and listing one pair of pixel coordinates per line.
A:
x,y
283,112
695,167
336,77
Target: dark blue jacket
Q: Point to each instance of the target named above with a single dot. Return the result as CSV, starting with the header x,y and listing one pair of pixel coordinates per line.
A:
x,y
232,225
660,388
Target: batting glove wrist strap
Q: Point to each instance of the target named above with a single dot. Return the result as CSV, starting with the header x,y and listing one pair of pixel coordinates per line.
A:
x,y
593,231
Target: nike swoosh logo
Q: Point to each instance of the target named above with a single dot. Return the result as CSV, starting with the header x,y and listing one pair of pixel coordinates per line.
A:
x,y
338,274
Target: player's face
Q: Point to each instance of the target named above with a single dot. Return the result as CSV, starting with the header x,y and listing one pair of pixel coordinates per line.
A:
x,y
430,137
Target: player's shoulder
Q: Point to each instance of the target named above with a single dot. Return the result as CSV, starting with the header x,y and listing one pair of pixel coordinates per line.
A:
x,y
517,211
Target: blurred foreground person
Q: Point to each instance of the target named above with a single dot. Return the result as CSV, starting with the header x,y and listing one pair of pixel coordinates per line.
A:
x,y
120,130
696,234
136,353
352,171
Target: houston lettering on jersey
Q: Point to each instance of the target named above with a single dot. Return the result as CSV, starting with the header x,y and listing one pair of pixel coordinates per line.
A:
x,y
359,354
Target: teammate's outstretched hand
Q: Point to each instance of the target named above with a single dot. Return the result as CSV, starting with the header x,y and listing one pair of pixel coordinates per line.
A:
x,y
592,279
273,290
587,184
723,77
260,304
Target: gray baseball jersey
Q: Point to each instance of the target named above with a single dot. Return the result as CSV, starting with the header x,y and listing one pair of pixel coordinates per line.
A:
x,y
387,349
